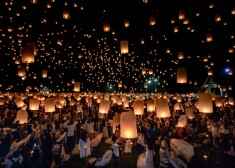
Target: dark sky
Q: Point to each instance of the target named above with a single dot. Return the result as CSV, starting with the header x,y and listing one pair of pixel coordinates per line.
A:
x,y
102,64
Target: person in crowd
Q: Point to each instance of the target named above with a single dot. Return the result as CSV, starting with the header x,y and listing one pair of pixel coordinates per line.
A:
x,y
85,147
164,154
15,161
149,152
70,137
115,148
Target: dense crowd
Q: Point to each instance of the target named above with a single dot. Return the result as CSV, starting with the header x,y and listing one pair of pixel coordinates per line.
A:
x,y
49,139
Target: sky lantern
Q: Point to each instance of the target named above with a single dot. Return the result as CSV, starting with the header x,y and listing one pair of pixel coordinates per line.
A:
x,y
34,104
150,71
22,117
152,21
34,46
205,103
66,14
180,55
143,71
162,108
126,23
126,104
44,73
21,71
27,54
77,86
176,29
181,75
124,47
19,102
104,107
209,37
146,85
49,104
106,27
119,84
119,101
150,105
181,15
209,72
218,102
128,125
138,107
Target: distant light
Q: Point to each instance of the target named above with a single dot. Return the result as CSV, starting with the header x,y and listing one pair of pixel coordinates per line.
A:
x,y
227,69
23,78
155,80
149,81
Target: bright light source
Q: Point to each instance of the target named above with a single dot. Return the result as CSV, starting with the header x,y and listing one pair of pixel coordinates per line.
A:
x,y
149,81
155,80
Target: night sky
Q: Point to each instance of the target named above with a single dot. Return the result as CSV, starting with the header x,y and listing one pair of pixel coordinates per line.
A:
x,y
100,64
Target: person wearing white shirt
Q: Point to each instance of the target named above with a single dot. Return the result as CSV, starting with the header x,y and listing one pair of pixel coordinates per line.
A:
x,y
85,147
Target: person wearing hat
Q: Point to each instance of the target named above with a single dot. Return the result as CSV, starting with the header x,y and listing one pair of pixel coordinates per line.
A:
x,y
164,154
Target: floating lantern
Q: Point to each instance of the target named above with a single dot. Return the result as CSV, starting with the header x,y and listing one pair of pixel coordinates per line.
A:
x,y
150,106
126,104
44,73
189,111
143,71
77,87
231,101
49,104
119,84
19,102
138,107
162,108
106,27
27,54
210,72
180,55
128,125
209,38
150,71
218,102
66,14
22,116
176,30
124,47
21,71
181,75
104,106
205,103
152,20
181,14
126,23
34,104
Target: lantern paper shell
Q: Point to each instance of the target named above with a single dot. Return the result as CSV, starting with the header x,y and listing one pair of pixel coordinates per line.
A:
x,y
22,117
126,104
27,54
218,102
178,106
205,103
2,101
21,71
150,106
138,107
106,27
181,75
44,73
162,108
124,47
152,20
104,106
128,125
77,87
34,104
49,104
19,102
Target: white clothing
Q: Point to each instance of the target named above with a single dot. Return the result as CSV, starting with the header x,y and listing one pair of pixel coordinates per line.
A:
x,y
116,149
148,157
85,148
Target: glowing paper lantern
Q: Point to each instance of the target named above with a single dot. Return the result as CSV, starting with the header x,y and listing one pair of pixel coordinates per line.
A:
x,y
146,85
119,101
218,102
77,87
181,14
27,54
180,55
181,75
104,106
119,84
162,108
44,73
150,106
128,125
66,14
152,20
124,47
49,104
19,102
106,27
34,104
126,23
150,71
178,106
205,103
126,104
21,71
22,117
138,107
209,38
2,101
143,71
176,30
210,72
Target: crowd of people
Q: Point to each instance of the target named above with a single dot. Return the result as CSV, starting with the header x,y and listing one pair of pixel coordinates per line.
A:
x,y
49,139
